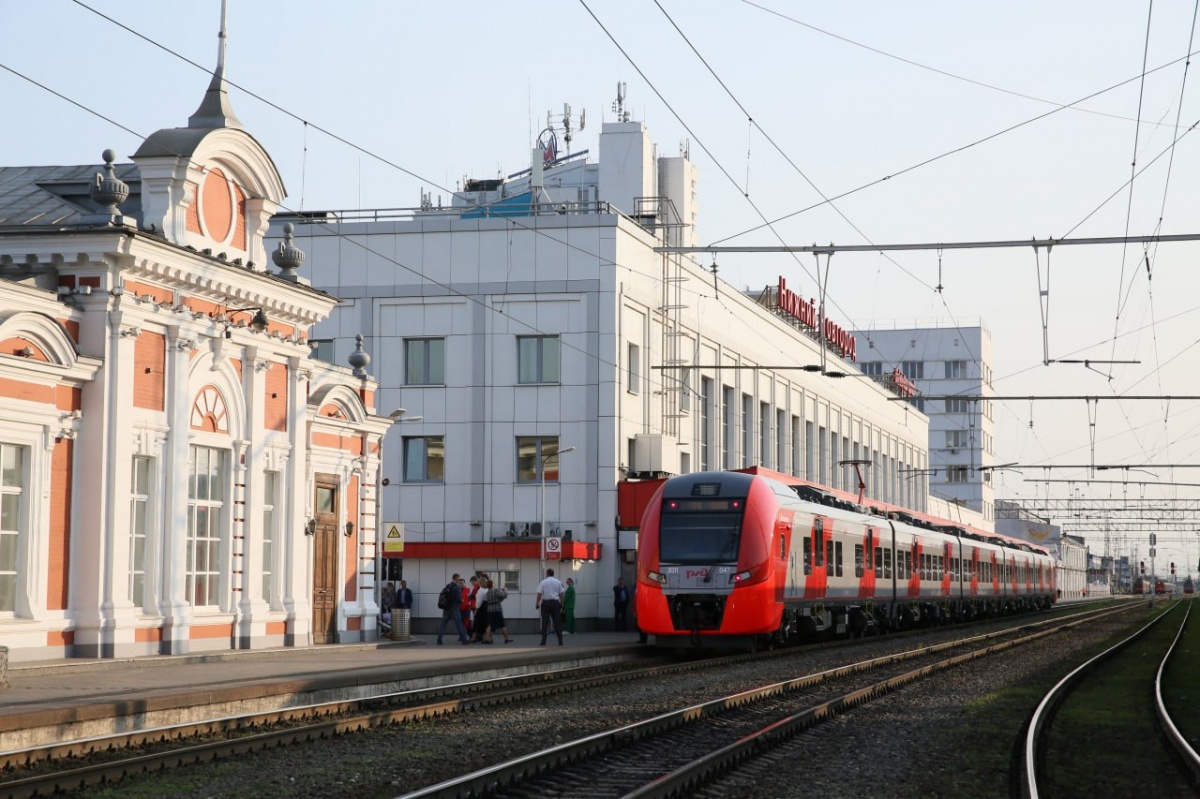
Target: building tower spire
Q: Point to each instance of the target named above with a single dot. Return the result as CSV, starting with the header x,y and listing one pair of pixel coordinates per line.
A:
x,y
215,110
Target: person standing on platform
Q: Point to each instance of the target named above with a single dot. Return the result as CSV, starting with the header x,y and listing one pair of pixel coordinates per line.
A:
x,y
388,600
569,607
466,604
620,604
483,627
549,600
496,597
404,596
452,594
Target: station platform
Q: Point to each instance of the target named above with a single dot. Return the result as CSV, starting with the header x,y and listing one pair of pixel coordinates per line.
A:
x,y
78,698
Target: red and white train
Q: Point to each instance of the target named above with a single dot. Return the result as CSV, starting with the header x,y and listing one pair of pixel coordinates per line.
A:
x,y
736,559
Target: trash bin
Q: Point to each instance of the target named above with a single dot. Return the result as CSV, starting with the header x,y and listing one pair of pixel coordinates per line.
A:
x,y
401,624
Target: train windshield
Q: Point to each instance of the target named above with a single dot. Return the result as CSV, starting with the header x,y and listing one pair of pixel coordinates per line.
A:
x,y
700,531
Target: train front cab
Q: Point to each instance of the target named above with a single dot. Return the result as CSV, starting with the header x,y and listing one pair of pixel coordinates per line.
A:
x,y
707,573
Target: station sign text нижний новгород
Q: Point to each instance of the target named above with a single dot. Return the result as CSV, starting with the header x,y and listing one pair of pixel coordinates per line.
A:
x,y
805,312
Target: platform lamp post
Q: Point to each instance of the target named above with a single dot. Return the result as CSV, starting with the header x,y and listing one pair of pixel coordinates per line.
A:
x,y
397,416
542,552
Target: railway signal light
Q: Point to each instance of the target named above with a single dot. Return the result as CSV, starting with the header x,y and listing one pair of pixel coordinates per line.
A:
x,y
1172,568
1143,567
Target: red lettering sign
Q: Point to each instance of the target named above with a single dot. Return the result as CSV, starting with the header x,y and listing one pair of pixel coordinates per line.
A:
x,y
901,384
806,314
690,573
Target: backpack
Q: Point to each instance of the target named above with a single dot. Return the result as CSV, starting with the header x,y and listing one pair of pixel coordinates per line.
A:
x,y
446,597
499,594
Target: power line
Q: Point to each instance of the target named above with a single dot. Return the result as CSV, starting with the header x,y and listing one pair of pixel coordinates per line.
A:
x,y
830,249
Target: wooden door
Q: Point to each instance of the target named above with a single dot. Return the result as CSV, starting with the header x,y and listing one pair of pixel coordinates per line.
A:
x,y
325,560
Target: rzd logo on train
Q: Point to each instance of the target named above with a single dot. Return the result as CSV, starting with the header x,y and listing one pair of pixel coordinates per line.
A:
x,y
695,573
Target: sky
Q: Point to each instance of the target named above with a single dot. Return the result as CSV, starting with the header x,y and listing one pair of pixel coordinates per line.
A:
x,y
848,123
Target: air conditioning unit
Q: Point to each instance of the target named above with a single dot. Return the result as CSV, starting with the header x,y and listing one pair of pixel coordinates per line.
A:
x,y
655,454
511,530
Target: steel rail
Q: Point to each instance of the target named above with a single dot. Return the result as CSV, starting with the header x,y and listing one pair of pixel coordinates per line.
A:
x,y
1176,738
1039,722
502,776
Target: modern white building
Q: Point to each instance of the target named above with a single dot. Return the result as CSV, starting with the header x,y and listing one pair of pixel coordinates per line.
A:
x,y
552,351
951,368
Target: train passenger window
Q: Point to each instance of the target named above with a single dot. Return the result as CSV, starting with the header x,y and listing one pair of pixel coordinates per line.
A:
x,y
879,562
807,555
858,560
909,565
870,548
819,545
829,561
837,558
887,564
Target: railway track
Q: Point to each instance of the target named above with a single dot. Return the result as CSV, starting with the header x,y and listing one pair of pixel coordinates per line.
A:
x,y
1051,752
676,753
39,771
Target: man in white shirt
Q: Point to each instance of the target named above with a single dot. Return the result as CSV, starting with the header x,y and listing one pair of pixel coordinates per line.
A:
x,y
549,600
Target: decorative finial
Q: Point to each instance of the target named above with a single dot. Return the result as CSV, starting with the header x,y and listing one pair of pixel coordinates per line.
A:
x,y
288,257
109,191
215,110
359,359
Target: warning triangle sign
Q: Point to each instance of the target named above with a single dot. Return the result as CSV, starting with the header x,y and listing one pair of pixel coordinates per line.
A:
x,y
393,539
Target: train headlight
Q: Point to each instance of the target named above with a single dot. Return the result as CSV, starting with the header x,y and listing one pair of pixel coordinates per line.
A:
x,y
739,577
657,577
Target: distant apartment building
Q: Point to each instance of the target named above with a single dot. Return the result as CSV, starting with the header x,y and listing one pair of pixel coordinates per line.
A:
x,y
951,368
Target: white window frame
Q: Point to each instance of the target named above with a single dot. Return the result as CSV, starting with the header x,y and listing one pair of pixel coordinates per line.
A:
x,y
270,529
422,475
536,447
206,521
432,361
13,476
633,370
546,355
141,482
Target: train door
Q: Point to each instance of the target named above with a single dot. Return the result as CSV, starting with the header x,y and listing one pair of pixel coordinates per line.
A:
x,y
325,560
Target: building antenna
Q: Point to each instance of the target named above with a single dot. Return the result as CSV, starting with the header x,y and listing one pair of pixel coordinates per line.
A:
x,y
619,104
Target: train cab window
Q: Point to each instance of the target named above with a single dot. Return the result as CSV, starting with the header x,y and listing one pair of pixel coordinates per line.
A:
x,y
807,555
698,531
837,558
879,562
858,560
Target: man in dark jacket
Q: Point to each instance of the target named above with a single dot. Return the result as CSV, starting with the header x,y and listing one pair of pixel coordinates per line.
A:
x,y
453,612
620,604
404,596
